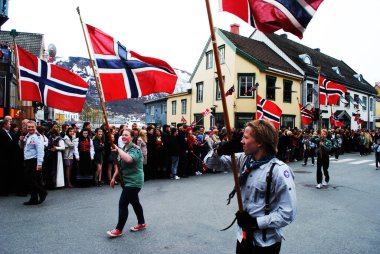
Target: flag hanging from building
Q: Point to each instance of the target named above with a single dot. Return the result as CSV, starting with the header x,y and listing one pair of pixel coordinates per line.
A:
x,y
206,112
334,121
49,84
330,92
269,16
306,115
183,119
230,91
268,110
124,73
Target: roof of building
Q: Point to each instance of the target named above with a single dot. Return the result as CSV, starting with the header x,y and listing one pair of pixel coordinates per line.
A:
x,y
260,51
32,42
293,50
156,100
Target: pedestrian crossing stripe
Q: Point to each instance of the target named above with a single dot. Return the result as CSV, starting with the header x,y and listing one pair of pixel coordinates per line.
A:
x,y
360,162
372,164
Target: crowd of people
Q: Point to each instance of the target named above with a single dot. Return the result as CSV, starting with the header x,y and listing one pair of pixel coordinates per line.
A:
x,y
82,157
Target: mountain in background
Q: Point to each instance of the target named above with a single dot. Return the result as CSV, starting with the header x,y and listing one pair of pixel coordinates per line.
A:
x,y
81,66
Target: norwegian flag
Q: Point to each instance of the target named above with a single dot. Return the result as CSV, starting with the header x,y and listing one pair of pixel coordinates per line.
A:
x,y
330,92
306,115
356,118
269,16
334,121
268,110
360,121
49,84
124,73
183,119
206,112
230,91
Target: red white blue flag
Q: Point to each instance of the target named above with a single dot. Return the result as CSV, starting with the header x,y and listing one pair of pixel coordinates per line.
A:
x,y
334,121
268,110
206,112
306,115
269,16
330,92
49,84
124,73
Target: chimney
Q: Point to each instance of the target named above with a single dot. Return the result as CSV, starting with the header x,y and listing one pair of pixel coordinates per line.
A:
x,y
234,28
317,49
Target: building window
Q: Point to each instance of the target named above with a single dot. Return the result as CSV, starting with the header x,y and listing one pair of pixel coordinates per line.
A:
x,y
183,106
242,118
174,107
209,60
199,97
219,120
288,121
271,88
288,91
356,99
364,104
221,54
370,104
152,110
347,96
309,92
218,95
246,83
163,108
199,120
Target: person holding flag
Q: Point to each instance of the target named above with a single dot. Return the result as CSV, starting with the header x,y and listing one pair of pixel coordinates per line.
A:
x,y
324,146
132,180
267,188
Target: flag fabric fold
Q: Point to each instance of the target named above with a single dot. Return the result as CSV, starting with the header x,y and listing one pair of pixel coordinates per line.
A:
x,y
330,92
49,84
306,115
126,74
268,110
183,119
334,121
269,16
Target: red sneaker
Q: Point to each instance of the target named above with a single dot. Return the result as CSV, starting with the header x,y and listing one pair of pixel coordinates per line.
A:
x,y
115,233
138,227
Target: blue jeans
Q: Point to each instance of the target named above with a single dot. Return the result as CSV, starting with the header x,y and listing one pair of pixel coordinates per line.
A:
x,y
175,160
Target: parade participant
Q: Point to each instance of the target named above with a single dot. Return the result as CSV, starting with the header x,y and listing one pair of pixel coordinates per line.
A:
x,y
323,161
309,149
53,161
376,149
98,142
84,154
34,153
132,180
70,143
267,188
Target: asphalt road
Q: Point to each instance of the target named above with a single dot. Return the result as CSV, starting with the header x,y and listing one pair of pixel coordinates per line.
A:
x,y
185,216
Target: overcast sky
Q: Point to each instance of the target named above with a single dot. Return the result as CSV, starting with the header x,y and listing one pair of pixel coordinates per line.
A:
x,y
177,30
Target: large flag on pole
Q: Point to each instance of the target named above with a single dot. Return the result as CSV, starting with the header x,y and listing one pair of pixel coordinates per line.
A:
x,y
269,16
330,92
268,110
49,84
306,115
124,73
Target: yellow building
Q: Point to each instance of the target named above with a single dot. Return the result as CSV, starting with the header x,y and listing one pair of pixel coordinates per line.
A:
x,y
244,63
377,87
178,107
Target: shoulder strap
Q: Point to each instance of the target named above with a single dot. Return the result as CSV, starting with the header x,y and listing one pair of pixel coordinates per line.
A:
x,y
267,196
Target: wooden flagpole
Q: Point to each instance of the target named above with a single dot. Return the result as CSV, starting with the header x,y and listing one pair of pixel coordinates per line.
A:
x,y
225,110
98,88
319,101
19,104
